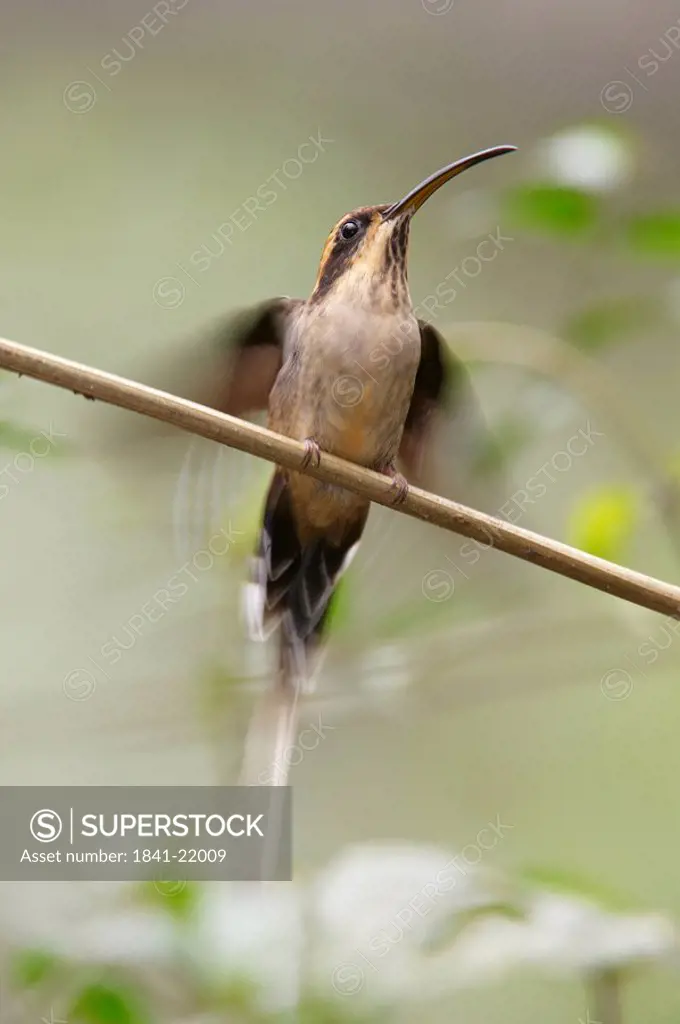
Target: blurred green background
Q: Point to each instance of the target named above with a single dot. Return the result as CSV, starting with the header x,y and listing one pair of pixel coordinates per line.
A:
x,y
459,689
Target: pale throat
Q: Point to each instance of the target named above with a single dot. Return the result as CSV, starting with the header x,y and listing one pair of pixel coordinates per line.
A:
x,y
371,287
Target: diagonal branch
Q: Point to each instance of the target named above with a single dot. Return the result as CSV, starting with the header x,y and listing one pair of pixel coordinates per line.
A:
x,y
248,437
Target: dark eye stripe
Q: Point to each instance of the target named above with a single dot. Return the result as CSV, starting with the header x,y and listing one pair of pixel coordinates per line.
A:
x,y
341,253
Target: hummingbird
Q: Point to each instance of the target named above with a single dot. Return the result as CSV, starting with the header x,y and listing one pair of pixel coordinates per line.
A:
x,y
351,370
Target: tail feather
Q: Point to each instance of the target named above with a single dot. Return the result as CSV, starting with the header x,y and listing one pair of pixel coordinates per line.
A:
x,y
292,581
291,590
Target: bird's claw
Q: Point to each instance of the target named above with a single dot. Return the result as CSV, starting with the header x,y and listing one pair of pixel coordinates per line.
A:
x,y
312,456
399,487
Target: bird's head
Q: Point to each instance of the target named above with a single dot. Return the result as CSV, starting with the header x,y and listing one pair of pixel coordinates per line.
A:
x,y
364,258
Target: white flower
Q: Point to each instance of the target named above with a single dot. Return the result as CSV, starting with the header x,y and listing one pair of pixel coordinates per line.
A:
x,y
569,932
587,157
373,909
395,921
251,932
561,933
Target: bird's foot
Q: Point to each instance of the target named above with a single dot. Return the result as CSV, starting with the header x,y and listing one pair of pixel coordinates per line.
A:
x,y
399,486
312,456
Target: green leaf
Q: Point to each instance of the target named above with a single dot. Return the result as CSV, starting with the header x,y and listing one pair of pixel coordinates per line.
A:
x,y
107,1004
655,234
593,328
602,523
572,884
551,209
176,898
340,611
31,967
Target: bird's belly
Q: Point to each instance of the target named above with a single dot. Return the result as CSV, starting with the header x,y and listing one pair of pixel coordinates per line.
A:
x,y
362,413
352,397
366,429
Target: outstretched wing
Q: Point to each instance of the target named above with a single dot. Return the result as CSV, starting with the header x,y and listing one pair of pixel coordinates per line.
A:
x,y
230,367
446,434
238,365
429,393
247,354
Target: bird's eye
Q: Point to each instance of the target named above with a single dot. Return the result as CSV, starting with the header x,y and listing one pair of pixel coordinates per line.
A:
x,y
349,229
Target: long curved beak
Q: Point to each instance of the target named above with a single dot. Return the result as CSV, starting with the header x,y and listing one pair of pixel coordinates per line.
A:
x,y
417,196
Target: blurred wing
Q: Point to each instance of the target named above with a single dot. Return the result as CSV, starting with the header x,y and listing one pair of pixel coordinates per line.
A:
x,y
230,367
429,390
246,358
446,438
